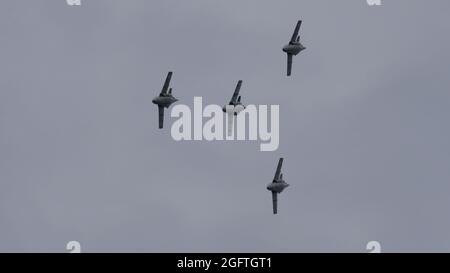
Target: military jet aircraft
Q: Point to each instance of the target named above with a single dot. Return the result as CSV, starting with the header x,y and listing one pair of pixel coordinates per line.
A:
x,y
165,99
293,48
277,185
235,102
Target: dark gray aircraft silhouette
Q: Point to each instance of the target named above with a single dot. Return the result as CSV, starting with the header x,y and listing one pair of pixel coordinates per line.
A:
x,y
277,185
235,101
293,48
165,99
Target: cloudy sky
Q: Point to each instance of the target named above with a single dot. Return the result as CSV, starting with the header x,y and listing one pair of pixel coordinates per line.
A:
x,y
364,126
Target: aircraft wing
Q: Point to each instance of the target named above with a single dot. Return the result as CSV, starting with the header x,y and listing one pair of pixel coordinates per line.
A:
x,y
166,83
295,34
278,172
289,64
275,202
161,116
236,92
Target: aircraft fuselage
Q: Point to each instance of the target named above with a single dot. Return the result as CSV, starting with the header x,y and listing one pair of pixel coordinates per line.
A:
x,y
164,101
293,48
235,107
277,187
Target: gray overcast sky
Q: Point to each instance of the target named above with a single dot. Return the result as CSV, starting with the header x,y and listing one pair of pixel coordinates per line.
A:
x,y
363,126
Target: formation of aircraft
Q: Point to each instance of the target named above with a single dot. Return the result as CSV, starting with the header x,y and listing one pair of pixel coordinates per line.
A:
x,y
165,99
293,48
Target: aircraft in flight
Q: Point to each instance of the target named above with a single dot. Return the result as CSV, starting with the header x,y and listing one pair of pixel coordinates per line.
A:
x,y
235,102
293,48
277,185
165,99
